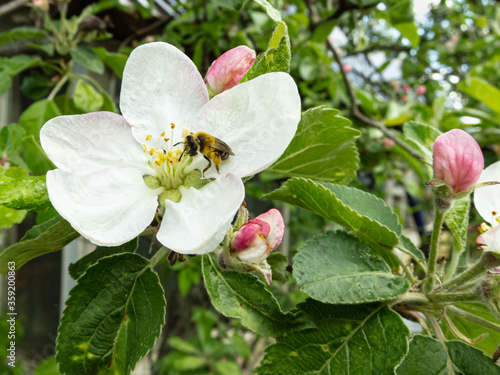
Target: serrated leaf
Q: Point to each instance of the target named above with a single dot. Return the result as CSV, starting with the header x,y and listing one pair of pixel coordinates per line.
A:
x,y
87,58
28,193
323,148
244,296
406,246
349,207
22,33
112,318
421,137
457,219
482,91
78,268
87,98
427,356
338,268
41,239
354,340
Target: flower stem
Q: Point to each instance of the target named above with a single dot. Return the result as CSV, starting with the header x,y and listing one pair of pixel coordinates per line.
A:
x,y
488,260
412,299
57,87
453,297
436,232
158,256
473,318
455,257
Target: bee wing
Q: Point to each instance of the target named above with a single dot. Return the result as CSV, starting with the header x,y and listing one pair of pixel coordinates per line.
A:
x,y
220,145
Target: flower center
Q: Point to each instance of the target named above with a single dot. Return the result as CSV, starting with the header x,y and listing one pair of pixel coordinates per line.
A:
x,y
172,168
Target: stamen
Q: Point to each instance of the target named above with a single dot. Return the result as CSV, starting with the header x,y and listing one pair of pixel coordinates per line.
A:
x,y
145,148
494,213
148,137
152,151
172,125
162,134
158,162
166,139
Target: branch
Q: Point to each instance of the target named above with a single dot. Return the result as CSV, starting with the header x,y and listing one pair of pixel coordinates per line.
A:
x,y
11,6
380,47
145,30
358,114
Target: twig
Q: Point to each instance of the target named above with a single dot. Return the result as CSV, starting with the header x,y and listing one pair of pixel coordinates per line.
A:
x,y
11,6
145,30
380,47
437,330
356,112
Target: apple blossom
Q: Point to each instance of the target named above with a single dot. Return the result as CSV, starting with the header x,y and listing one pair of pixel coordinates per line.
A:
x,y
258,237
228,70
457,160
116,173
421,90
406,88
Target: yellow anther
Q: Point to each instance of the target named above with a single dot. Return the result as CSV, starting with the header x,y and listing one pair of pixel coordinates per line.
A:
x,y
484,228
185,132
494,213
158,162
162,134
148,137
166,139
152,151
498,220
145,147
172,125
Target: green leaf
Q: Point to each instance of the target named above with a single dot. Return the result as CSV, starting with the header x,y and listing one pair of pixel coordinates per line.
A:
x,y
406,246
11,137
87,98
279,264
457,219
426,356
228,368
36,86
323,148
32,120
41,239
87,58
10,67
349,207
482,91
22,33
277,57
116,61
28,193
338,268
322,31
9,216
409,31
231,4
244,296
421,137
354,340
473,330
47,367
112,317
78,268
182,345
108,103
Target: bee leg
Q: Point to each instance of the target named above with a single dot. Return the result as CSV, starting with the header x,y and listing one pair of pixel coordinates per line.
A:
x,y
182,154
217,161
208,166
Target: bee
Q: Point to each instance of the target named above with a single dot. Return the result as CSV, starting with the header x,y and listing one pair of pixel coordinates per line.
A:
x,y
210,147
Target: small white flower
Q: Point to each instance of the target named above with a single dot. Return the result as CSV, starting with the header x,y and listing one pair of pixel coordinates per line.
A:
x,y
114,172
487,202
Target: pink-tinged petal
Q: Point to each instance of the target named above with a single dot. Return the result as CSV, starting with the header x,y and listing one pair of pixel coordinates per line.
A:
x,y
83,144
228,70
246,236
199,222
265,228
275,220
492,239
161,85
109,207
257,119
457,160
480,240
256,253
487,198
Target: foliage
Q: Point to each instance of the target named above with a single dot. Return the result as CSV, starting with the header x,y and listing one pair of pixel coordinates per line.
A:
x,y
379,82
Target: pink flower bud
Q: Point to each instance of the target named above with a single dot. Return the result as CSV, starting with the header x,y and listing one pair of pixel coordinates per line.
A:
x,y
42,4
347,68
457,160
406,88
228,70
404,98
421,90
255,240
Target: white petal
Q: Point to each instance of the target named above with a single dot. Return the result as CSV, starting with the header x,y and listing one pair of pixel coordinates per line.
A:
x,y
257,119
492,239
82,144
161,85
109,207
487,199
199,222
